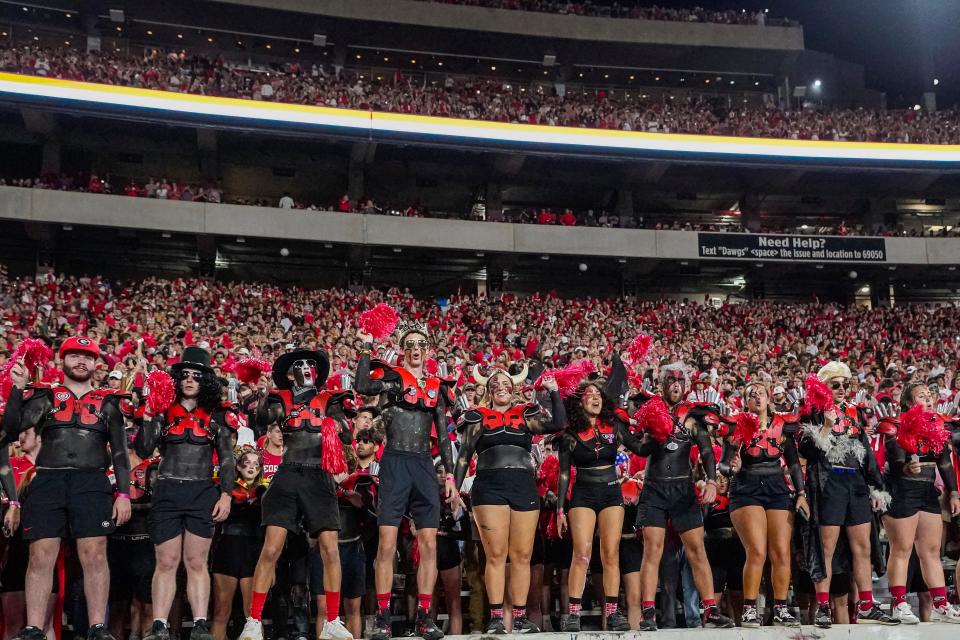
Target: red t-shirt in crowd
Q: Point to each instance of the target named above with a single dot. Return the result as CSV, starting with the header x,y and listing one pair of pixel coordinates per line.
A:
x,y
270,463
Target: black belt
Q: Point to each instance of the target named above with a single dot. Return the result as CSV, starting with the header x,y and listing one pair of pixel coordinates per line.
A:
x,y
761,470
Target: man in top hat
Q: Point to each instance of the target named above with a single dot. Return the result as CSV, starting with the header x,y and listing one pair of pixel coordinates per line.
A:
x,y
303,490
70,496
414,412
186,501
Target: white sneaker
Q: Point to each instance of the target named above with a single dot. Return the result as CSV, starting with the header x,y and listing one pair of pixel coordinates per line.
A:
x,y
903,613
334,630
948,613
253,630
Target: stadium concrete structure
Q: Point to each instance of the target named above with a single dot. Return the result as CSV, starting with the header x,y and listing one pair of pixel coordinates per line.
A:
x,y
466,168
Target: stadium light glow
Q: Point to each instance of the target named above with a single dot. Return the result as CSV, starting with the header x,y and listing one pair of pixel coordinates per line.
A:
x,y
936,81
817,84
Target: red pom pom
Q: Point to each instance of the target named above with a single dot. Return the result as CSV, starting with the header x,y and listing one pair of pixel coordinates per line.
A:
x,y
568,378
332,461
748,426
654,417
36,354
52,375
249,370
634,379
631,491
160,392
638,348
819,397
430,366
379,321
920,428
548,476
126,349
188,337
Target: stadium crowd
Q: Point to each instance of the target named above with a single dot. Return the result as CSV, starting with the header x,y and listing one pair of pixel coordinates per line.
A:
x,y
479,98
621,10
165,189
738,358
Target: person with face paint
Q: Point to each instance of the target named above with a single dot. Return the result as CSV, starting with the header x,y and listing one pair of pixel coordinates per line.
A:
x,y
186,501
236,550
504,496
669,495
413,410
302,492
590,443
913,520
845,488
761,506
70,496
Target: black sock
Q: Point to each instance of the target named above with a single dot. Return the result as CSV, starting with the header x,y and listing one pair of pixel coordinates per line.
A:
x,y
779,603
750,602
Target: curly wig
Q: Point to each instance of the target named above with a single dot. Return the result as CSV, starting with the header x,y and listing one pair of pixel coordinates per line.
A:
x,y
210,388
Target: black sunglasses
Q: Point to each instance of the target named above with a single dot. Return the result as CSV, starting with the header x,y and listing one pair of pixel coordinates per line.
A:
x,y
194,375
413,344
838,385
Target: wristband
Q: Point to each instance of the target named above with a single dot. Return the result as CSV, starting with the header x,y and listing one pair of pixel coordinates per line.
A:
x,y
126,496
560,512
14,504
450,478
802,494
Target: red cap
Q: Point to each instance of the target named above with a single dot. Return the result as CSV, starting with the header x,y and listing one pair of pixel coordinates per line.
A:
x,y
81,344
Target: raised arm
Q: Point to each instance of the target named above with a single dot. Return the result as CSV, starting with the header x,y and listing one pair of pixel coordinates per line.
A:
x,y
558,417
148,436
363,383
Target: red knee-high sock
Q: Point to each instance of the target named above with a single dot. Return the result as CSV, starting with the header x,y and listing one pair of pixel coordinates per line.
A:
x,y
383,602
823,597
424,600
939,595
333,605
866,600
899,595
256,605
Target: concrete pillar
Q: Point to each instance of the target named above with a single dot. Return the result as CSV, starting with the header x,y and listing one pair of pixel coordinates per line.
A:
x,y
495,271
494,201
355,180
624,207
207,144
51,157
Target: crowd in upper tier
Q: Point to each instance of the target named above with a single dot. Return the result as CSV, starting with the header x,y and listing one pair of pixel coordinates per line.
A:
x,y
477,98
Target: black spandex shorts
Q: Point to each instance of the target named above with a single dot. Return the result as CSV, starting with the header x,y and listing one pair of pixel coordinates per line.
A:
x,y
408,486
755,490
672,501
912,496
515,488
301,494
131,565
597,496
845,500
235,556
182,505
631,555
448,553
727,557
68,503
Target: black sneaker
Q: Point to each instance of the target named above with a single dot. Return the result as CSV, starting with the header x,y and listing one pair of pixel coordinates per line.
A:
x,y
571,624
495,627
713,619
522,624
381,627
649,622
749,619
99,632
426,628
783,618
824,616
875,615
31,633
201,630
616,621
159,631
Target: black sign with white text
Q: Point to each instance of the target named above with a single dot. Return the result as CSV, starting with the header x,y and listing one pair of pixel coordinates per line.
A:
x,y
749,246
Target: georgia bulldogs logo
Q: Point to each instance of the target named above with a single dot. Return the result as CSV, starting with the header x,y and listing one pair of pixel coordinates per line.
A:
x,y
62,396
83,342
